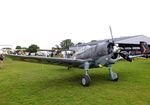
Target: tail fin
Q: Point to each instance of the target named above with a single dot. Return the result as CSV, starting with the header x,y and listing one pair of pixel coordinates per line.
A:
x,y
144,48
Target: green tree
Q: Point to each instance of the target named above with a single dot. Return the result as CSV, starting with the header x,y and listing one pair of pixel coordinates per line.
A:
x,y
93,40
79,43
18,47
65,44
33,48
24,48
57,47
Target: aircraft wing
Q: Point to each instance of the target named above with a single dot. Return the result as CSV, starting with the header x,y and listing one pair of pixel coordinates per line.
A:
x,y
131,57
50,60
140,56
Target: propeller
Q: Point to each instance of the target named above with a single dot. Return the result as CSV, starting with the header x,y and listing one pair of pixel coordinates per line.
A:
x,y
125,56
116,51
111,34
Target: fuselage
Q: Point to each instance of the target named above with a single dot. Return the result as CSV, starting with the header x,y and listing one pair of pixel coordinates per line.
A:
x,y
100,54
94,52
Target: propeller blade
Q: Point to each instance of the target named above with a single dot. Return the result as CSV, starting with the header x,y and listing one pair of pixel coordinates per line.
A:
x,y
111,34
126,57
112,45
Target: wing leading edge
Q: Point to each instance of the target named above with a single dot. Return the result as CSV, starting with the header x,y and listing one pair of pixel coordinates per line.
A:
x,y
49,60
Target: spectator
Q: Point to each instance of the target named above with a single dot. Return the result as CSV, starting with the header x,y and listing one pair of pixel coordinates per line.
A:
x,y
1,61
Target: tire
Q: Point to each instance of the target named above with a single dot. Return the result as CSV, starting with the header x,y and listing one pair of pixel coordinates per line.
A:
x,y
85,80
116,79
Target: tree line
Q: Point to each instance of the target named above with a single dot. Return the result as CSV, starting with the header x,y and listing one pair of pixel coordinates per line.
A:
x,y
64,45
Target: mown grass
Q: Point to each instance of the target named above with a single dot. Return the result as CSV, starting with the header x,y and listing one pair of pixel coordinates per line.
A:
x,y
23,83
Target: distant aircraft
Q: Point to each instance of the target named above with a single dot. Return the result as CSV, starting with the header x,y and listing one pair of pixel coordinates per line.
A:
x,y
105,54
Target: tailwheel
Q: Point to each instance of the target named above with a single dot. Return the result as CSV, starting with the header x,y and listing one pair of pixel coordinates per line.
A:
x,y
86,80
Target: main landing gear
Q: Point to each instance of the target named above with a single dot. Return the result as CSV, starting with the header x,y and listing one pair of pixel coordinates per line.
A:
x,y
85,81
113,76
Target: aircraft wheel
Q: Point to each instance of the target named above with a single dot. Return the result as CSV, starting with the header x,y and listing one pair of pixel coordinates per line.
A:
x,y
116,77
85,80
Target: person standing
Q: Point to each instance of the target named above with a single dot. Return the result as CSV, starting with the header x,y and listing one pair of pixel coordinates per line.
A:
x,y
1,61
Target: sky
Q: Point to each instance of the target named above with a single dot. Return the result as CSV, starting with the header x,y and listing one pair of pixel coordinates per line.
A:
x,y
48,22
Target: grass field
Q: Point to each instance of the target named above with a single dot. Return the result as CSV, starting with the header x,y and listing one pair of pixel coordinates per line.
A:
x,y
23,83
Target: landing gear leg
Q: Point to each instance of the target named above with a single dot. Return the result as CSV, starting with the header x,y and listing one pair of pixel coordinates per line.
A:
x,y
113,76
85,81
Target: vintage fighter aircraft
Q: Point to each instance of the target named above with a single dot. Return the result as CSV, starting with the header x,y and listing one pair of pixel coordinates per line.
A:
x,y
105,54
